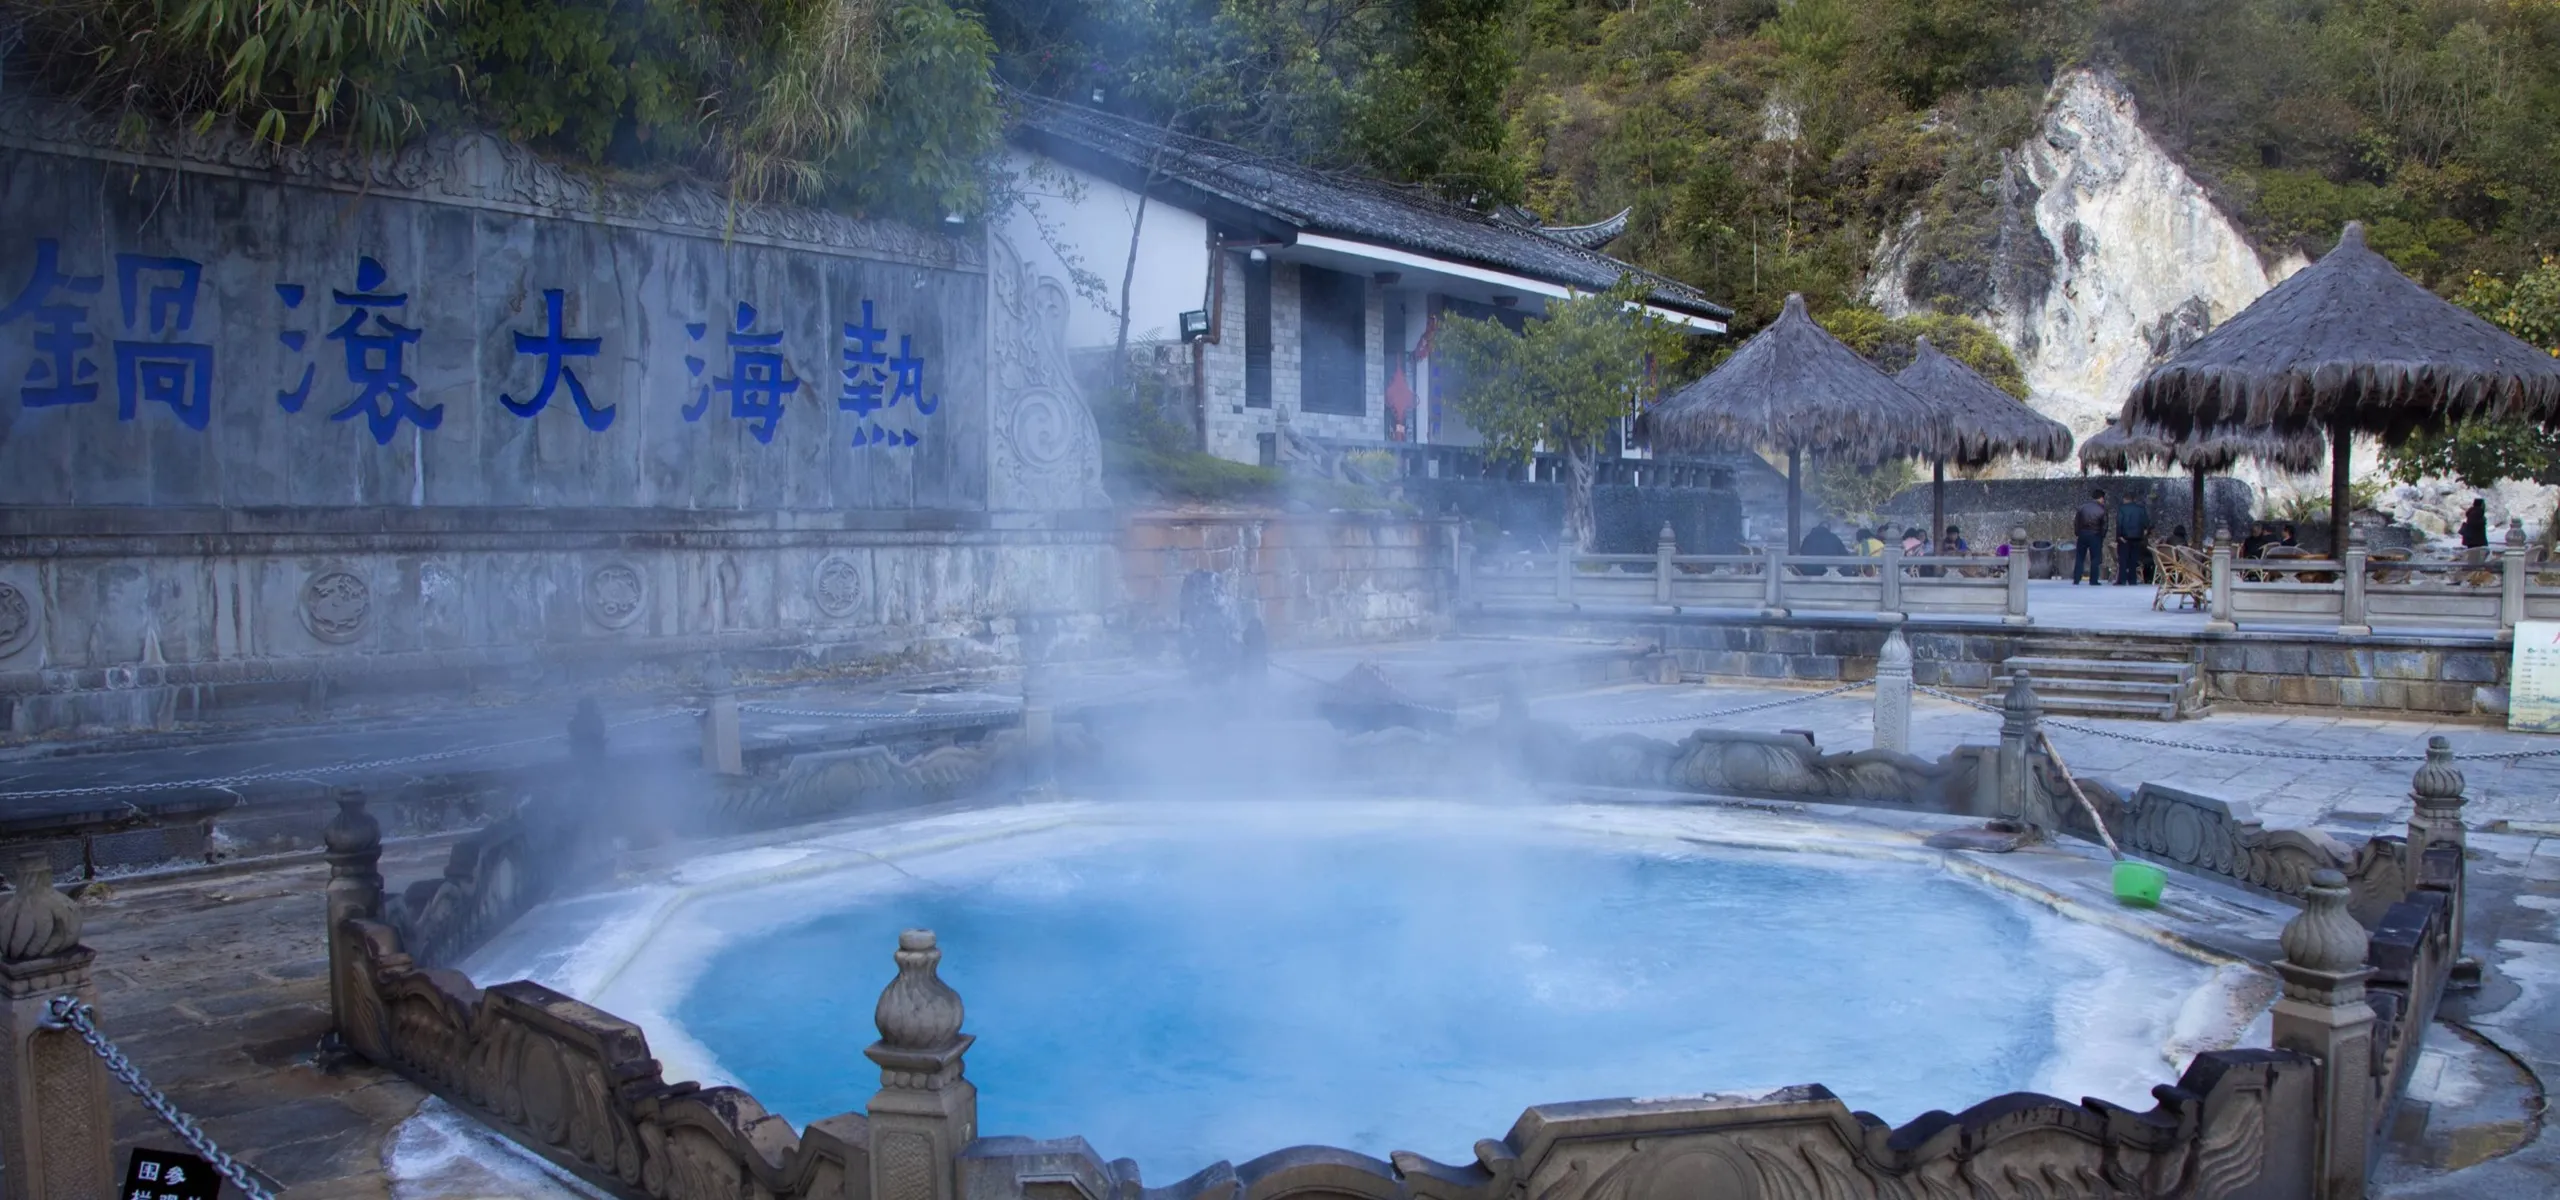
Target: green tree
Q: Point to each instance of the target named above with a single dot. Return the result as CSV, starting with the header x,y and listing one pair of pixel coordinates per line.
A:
x,y
1562,382
2479,453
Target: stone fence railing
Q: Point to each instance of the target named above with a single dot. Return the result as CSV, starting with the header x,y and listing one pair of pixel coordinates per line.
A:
x,y
2299,1119
2357,590
1772,582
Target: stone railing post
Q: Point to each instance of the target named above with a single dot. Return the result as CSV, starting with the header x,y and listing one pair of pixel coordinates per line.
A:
x,y
2015,575
1893,693
2323,1014
2435,819
1462,558
2019,714
2511,580
57,1133
926,1110
1774,603
2352,621
354,849
722,751
2218,615
1889,581
1664,548
1564,572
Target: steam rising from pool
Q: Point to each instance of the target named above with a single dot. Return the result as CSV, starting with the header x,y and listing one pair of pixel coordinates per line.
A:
x,y
1180,992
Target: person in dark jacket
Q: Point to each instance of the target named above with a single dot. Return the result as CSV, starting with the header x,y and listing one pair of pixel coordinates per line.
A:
x,y
2088,537
2475,526
2133,542
1820,543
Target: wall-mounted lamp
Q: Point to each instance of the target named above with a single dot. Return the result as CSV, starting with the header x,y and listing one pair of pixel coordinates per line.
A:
x,y
1258,256
1195,324
1097,95
954,219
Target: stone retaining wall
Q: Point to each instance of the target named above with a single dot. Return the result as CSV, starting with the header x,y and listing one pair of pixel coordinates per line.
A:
x,y
1312,579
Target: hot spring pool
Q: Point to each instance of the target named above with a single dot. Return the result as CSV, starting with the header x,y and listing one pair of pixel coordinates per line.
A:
x,y
1179,989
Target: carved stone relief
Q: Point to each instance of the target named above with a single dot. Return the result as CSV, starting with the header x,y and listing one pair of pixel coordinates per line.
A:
x,y
336,603
616,595
17,620
1046,453
836,587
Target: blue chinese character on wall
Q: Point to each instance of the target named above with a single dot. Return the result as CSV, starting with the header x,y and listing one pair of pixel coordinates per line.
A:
x,y
756,384
62,372
388,395
159,299
293,339
552,348
875,381
866,367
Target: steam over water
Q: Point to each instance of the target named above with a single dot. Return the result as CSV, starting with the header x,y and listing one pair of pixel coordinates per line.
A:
x,y
1179,996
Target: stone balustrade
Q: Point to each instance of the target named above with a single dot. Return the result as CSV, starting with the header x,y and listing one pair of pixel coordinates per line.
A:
x,y
1771,581
2354,591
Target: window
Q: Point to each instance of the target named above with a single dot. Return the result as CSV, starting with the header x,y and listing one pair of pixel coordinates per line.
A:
x,y
1257,333
1333,342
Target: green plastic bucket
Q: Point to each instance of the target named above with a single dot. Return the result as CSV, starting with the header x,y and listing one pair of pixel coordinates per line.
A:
x,y
2139,883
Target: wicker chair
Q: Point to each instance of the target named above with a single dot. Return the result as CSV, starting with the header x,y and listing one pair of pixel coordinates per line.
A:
x,y
2182,573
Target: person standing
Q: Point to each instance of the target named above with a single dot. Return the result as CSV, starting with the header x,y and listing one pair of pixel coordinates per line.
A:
x,y
2475,526
2133,542
2088,537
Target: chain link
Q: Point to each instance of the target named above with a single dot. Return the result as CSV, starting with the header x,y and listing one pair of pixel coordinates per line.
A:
x,y
1728,712
371,764
68,1012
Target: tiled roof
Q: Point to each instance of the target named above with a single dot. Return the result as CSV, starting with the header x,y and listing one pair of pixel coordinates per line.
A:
x,y
1238,186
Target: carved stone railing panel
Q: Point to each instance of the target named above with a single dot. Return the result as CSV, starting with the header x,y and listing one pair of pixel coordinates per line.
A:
x,y
2208,836
2411,953
833,782
578,1086
1774,765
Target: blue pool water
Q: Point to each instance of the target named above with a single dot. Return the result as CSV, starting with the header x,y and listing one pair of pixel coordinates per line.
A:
x,y
1179,998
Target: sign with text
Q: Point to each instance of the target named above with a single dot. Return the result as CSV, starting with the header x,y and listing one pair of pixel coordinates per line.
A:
x,y
2533,684
168,1175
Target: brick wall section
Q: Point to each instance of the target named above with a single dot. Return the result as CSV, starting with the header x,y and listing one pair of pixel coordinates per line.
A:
x,y
1313,579
2437,676
1234,430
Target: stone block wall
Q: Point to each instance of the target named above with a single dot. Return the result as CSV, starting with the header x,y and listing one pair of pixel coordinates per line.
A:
x,y
274,418
2411,676
1312,579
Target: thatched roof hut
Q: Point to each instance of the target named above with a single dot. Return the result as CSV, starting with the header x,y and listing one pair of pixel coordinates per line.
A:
x,y
1979,423
1796,388
2120,447
2349,345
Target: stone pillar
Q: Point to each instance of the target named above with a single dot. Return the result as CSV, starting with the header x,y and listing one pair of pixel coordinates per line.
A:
x,y
2015,574
2435,819
1774,604
57,1133
723,753
1664,548
2323,1014
1463,561
2218,617
2019,713
1564,571
354,849
1889,581
2511,580
2352,621
925,1112
1893,694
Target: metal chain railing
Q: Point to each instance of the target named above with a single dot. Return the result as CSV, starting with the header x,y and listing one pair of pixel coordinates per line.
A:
x,y
2251,751
342,768
68,1012
1780,702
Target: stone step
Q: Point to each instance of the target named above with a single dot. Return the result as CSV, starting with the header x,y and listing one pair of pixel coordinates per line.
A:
x,y
2099,668
2095,706
2049,687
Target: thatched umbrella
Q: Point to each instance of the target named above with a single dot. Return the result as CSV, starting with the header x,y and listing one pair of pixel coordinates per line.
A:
x,y
1981,423
2118,447
1796,388
2349,345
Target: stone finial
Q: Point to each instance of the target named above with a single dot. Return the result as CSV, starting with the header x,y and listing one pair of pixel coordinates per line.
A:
x,y
2438,783
918,1011
36,922
2021,697
1896,652
1668,538
2355,537
2323,937
2515,531
353,831
2222,535
2018,536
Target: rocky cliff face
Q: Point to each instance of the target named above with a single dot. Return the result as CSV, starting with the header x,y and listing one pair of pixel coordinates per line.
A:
x,y
2109,256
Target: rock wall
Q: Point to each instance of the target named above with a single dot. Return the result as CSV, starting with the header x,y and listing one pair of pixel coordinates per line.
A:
x,y
271,415
2140,260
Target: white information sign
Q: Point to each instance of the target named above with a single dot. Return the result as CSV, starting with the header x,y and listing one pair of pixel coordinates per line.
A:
x,y
2533,684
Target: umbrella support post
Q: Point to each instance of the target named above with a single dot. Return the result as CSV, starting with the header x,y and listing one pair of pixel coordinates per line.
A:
x,y
1938,505
2197,529
1795,500
2341,450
